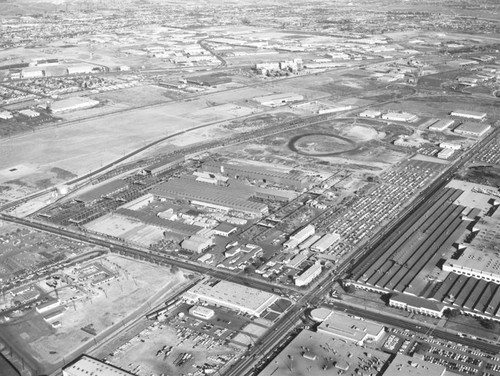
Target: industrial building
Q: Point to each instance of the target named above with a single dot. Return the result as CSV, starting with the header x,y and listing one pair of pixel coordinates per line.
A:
x,y
283,195
163,165
441,125
260,172
138,203
308,275
445,153
218,197
201,312
276,100
101,191
212,80
81,69
299,236
469,114
29,113
351,328
231,295
47,306
476,263
72,104
325,242
415,304
196,243
400,116
88,366
225,229
370,114
472,129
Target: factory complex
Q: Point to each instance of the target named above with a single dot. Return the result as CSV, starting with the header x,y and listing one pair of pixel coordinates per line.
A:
x,y
458,227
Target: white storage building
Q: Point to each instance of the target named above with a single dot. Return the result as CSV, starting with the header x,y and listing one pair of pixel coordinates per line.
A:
x,y
308,275
325,242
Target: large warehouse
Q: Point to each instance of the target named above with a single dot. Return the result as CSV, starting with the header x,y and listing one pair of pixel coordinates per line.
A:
x,y
88,366
469,114
204,194
231,295
261,172
472,129
72,104
275,100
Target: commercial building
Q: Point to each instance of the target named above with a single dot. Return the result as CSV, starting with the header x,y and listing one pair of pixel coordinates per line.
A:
x,y
196,243
415,304
231,295
469,114
275,194
72,104
88,366
259,172
303,233
441,125
201,312
275,100
320,354
218,197
450,145
400,116
472,129
445,153
81,69
351,328
308,275
325,242
411,366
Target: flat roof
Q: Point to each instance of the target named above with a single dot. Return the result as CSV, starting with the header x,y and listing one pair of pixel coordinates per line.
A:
x,y
409,366
469,113
473,127
71,102
325,356
232,295
343,325
478,260
102,190
87,366
415,301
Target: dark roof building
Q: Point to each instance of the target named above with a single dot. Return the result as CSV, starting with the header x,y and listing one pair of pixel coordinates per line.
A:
x,y
103,190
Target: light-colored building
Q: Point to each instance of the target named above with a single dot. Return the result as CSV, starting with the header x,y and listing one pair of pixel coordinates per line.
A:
x,y
29,113
469,114
72,104
47,306
441,125
417,305
411,366
308,275
197,243
303,233
445,153
475,263
400,116
472,129
450,145
88,366
325,242
231,295
201,312
351,328
275,100
370,114
5,115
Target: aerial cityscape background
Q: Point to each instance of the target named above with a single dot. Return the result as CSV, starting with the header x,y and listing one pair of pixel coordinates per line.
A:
x,y
264,188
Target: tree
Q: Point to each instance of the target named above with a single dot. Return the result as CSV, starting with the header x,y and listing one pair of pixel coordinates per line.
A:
x,y
451,313
487,324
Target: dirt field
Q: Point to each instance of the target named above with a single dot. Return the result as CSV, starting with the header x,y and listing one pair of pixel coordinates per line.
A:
x,y
104,306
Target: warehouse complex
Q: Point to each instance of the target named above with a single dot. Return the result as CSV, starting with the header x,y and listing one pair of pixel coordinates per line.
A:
x,y
448,230
231,295
205,194
259,172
